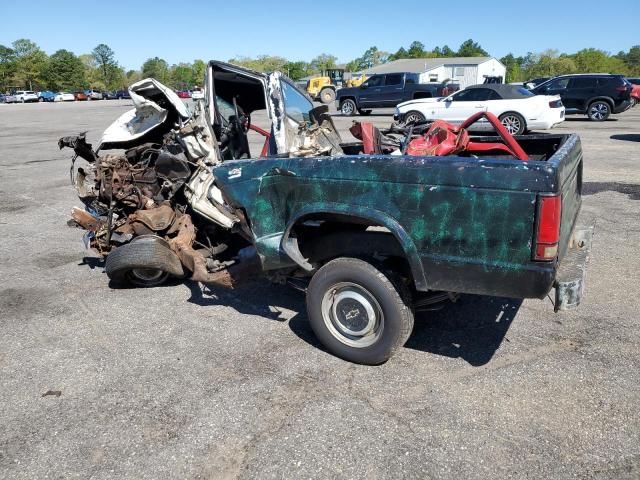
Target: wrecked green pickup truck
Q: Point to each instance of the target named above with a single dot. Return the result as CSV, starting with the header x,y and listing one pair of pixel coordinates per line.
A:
x,y
369,229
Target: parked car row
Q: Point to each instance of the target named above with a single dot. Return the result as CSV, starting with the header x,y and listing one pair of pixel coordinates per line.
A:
x,y
25,96
196,94
538,104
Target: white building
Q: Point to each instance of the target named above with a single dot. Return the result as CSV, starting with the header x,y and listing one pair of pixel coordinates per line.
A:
x,y
463,70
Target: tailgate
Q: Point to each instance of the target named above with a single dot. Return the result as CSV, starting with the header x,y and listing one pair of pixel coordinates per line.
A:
x,y
568,164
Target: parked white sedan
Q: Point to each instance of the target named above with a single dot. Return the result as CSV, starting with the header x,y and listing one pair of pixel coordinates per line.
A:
x,y
197,94
64,97
517,108
26,96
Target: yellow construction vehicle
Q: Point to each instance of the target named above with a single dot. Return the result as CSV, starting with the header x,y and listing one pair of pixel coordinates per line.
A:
x,y
323,88
356,80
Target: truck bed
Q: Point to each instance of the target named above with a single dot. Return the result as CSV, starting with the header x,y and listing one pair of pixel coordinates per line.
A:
x,y
466,224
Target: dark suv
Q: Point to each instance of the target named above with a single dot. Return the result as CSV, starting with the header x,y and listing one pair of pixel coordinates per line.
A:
x,y
596,95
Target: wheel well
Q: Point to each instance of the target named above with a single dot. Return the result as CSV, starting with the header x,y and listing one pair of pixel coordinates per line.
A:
x,y
511,111
330,87
342,99
602,99
515,113
320,238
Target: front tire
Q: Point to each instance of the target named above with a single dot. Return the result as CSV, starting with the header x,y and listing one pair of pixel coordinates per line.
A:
x,y
145,262
357,313
414,117
327,95
348,107
599,111
513,122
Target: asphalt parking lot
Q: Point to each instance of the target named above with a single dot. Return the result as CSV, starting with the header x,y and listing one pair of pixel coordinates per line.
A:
x,y
186,382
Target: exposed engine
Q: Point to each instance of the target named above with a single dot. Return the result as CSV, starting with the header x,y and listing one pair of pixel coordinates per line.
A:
x,y
139,197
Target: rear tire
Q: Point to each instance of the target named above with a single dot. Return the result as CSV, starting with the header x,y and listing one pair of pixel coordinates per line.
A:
x,y
327,95
357,313
599,111
145,262
513,122
348,107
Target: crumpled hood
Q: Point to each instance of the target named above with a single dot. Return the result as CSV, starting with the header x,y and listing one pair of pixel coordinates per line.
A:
x,y
153,102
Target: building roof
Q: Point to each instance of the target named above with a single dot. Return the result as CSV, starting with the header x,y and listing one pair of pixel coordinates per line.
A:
x,y
419,65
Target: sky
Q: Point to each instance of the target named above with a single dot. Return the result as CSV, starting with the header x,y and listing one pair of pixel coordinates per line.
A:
x,y
181,31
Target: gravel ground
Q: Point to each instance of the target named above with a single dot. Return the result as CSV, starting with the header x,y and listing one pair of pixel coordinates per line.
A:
x,y
186,382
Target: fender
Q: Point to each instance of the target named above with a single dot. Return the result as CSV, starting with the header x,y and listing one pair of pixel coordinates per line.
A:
x,y
290,245
609,100
340,99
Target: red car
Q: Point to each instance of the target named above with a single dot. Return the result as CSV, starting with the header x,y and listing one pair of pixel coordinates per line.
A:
x,y
635,92
183,93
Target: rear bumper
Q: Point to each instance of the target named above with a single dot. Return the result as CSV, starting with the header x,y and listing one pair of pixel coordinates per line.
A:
x,y
570,277
626,105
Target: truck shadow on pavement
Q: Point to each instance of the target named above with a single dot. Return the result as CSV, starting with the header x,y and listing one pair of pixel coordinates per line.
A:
x,y
472,329
629,137
587,119
631,189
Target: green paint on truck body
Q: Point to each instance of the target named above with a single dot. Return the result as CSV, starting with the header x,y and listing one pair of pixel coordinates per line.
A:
x,y
448,213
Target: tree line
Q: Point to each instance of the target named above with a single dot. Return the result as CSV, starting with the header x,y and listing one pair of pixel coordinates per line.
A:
x,y
548,63
25,65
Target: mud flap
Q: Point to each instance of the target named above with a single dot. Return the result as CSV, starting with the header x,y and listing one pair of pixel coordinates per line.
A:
x,y
570,278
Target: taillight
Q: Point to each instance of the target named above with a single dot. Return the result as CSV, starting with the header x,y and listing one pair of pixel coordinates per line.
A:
x,y
548,231
555,103
622,88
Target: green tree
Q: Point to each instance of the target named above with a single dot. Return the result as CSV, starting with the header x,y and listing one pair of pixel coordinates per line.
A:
x,y
133,76
416,50
105,63
296,70
547,64
444,52
590,60
514,68
7,66
30,62
632,59
371,58
64,71
262,63
469,48
197,71
400,53
91,72
323,62
181,76
156,68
